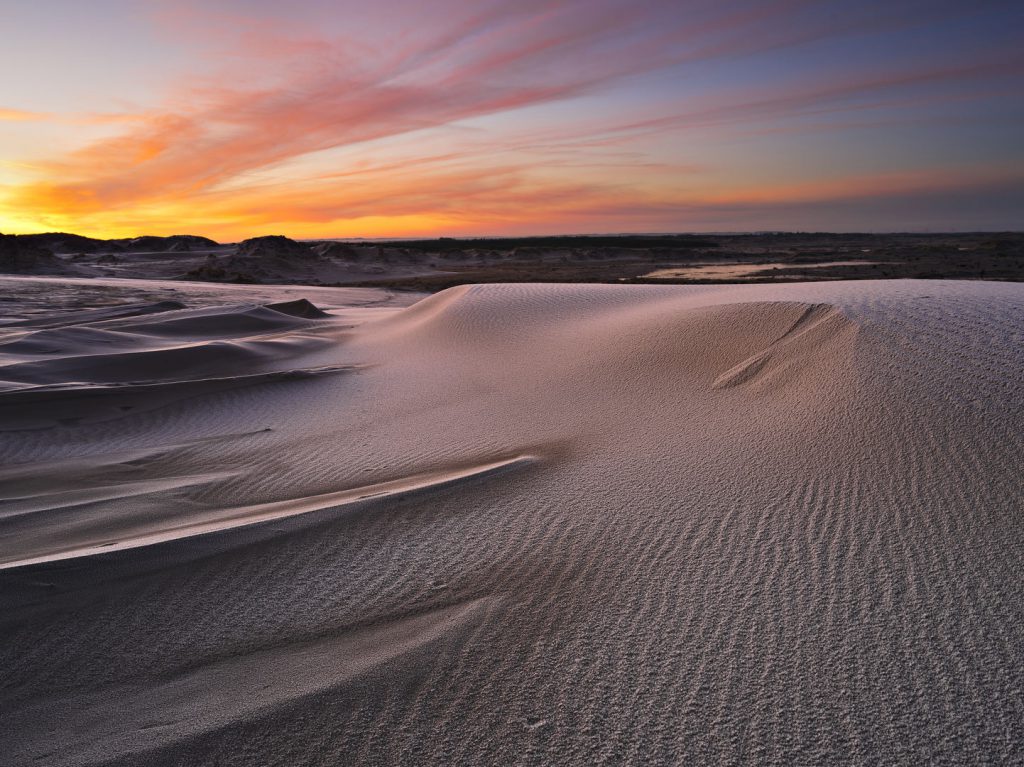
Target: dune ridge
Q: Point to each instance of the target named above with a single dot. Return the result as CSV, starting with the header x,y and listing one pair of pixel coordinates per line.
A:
x,y
225,519
523,524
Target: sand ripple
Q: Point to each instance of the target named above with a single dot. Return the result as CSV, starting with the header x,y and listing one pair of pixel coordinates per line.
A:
x,y
518,524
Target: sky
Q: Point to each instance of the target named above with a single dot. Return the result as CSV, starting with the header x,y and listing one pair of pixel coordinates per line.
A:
x,y
394,118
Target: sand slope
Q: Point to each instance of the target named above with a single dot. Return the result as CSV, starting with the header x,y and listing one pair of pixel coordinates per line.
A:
x,y
518,524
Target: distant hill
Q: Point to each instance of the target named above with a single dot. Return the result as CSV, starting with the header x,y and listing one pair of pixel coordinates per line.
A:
x,y
66,243
274,246
176,242
22,256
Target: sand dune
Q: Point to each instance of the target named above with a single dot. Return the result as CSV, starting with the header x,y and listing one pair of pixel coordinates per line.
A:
x,y
516,524
134,532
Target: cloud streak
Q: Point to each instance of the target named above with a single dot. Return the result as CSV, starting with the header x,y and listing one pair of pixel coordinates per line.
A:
x,y
228,130
20,115
406,130
510,58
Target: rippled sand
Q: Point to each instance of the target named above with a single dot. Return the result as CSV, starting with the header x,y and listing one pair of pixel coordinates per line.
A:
x,y
512,524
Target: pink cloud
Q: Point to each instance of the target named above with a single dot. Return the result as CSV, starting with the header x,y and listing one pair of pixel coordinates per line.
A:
x,y
282,91
315,95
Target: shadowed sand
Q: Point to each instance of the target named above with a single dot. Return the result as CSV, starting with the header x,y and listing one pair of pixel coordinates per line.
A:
x,y
514,524
54,547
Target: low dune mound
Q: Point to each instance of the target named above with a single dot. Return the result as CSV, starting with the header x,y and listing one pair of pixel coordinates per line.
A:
x,y
263,260
273,246
20,256
299,308
65,367
64,242
88,316
270,260
341,251
551,524
173,243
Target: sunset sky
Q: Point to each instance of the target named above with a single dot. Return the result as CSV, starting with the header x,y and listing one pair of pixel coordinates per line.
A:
x,y
397,118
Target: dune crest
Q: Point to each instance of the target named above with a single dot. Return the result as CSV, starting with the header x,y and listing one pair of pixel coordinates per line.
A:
x,y
816,326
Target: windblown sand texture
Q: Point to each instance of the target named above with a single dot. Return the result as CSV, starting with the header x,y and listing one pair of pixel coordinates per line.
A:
x,y
518,525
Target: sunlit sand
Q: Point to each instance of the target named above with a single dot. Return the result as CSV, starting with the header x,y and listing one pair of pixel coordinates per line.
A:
x,y
768,523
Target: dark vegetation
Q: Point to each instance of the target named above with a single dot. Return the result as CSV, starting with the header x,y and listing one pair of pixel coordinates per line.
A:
x,y
452,244
21,256
778,257
431,265
62,242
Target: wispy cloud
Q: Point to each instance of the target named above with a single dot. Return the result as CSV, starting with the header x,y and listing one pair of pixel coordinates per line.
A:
x,y
509,57
20,115
275,94
852,94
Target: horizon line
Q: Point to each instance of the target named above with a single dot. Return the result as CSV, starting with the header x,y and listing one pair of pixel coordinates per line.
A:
x,y
709,233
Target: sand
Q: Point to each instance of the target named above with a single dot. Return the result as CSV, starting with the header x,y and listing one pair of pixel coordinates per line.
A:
x,y
513,524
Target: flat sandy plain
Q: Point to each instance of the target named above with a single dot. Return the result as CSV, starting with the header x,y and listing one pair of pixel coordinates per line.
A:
x,y
512,524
